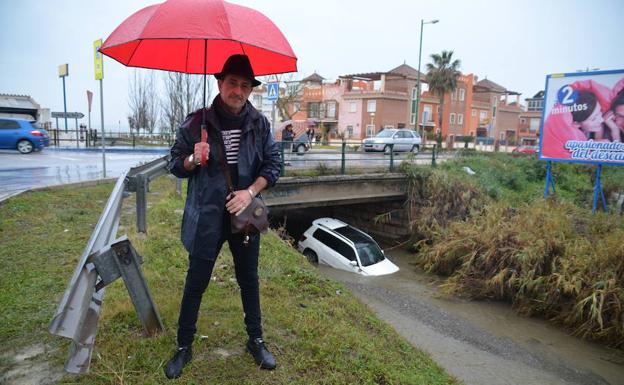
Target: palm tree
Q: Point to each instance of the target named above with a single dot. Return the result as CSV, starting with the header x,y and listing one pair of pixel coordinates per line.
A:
x,y
442,75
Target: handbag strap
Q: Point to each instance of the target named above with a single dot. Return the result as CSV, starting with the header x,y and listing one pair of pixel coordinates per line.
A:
x,y
225,169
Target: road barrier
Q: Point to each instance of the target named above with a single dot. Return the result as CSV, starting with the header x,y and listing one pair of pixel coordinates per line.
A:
x,y
105,259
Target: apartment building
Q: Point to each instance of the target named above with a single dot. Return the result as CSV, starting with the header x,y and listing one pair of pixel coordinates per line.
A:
x,y
360,105
492,114
376,100
530,120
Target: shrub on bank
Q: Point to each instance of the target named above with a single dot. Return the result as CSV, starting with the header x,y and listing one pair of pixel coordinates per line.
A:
x,y
549,258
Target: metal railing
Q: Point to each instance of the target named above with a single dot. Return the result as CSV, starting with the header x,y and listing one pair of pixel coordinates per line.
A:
x,y
106,258
350,155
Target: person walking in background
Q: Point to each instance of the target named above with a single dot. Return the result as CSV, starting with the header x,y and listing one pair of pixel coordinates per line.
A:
x,y
288,136
254,163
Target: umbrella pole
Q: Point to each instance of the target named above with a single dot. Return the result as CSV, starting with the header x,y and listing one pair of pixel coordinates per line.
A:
x,y
203,125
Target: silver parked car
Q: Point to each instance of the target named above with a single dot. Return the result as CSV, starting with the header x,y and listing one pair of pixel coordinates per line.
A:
x,y
397,139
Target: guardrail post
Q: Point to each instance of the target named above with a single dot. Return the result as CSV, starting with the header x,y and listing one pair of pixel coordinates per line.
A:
x,y
141,203
122,260
282,168
391,157
433,156
178,186
343,160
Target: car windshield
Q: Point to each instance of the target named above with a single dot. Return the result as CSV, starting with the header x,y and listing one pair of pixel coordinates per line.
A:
x,y
385,134
367,249
369,253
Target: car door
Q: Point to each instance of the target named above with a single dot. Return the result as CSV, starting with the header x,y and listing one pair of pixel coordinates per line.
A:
x,y
335,252
401,142
9,130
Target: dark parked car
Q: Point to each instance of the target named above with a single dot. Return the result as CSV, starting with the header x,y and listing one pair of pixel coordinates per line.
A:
x,y
301,144
22,135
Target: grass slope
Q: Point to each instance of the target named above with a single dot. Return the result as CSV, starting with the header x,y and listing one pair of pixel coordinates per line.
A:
x,y
319,333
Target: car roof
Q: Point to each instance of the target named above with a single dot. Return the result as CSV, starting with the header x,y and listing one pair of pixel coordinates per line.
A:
x,y
329,223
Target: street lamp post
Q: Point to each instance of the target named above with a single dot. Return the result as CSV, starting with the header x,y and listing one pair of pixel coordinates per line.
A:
x,y
422,23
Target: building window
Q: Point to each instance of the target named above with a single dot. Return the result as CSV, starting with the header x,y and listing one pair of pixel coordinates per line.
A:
x,y
297,106
331,110
482,116
352,107
371,106
293,89
426,114
502,136
534,125
349,132
462,94
452,118
313,110
370,130
474,112
413,118
460,118
414,93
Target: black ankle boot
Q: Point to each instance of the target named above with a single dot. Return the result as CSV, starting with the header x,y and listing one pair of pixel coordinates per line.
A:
x,y
261,355
174,367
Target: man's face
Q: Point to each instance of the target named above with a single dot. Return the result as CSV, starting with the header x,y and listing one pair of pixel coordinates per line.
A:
x,y
618,113
234,91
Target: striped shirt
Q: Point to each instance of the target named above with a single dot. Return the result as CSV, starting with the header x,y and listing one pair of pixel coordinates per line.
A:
x,y
231,139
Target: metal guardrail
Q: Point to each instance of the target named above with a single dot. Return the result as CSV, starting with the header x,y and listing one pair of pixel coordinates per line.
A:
x,y
106,258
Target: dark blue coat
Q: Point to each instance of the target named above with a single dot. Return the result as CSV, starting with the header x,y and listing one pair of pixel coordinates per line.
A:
x,y
202,223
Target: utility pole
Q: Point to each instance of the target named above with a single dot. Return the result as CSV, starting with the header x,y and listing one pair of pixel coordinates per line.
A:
x,y
422,23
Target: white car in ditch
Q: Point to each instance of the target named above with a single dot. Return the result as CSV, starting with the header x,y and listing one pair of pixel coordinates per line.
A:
x,y
335,243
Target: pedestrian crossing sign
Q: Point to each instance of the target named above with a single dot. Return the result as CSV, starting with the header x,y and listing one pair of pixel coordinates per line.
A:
x,y
273,91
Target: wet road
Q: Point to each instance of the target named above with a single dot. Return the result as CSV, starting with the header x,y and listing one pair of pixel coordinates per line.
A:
x,y
480,343
19,172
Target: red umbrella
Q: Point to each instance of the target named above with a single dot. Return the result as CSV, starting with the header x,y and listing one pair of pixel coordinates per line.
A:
x,y
197,37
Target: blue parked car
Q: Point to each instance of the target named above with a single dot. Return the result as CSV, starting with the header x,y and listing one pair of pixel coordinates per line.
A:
x,y
22,135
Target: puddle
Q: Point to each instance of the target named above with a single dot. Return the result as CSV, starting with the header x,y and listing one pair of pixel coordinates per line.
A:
x,y
30,366
480,342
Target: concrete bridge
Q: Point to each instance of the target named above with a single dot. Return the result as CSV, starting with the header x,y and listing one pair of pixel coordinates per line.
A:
x,y
335,190
356,199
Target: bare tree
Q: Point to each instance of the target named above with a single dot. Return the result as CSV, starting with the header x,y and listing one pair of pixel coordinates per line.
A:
x,y
183,95
287,103
144,106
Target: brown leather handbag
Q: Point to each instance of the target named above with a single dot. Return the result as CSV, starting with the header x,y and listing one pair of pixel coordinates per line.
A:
x,y
255,218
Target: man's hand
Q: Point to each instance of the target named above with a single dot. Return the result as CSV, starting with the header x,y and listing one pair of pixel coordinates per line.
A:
x,y
201,148
238,202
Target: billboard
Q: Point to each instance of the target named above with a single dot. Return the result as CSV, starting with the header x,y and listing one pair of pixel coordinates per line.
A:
x,y
583,118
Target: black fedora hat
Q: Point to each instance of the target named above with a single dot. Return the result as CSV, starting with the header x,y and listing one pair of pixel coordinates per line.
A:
x,y
238,65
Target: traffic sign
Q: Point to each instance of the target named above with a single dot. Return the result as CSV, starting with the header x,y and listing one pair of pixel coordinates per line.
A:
x,y
70,115
273,91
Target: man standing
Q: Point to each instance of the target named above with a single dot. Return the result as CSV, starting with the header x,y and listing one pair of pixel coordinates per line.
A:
x,y
288,135
254,162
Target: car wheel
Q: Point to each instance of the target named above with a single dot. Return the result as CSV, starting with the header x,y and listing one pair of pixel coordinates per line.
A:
x,y
415,149
301,149
311,256
24,146
386,150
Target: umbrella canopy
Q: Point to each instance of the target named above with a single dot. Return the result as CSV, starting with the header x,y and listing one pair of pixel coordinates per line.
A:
x,y
197,37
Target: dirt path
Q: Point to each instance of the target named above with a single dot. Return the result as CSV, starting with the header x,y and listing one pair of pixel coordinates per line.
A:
x,y
481,343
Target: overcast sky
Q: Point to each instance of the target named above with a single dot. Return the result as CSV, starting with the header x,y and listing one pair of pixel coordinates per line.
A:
x,y
513,43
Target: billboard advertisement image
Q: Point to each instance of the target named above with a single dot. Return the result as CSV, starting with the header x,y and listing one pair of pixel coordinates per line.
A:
x,y
583,119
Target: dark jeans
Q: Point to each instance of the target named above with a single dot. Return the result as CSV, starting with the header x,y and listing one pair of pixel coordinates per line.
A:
x,y
198,277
